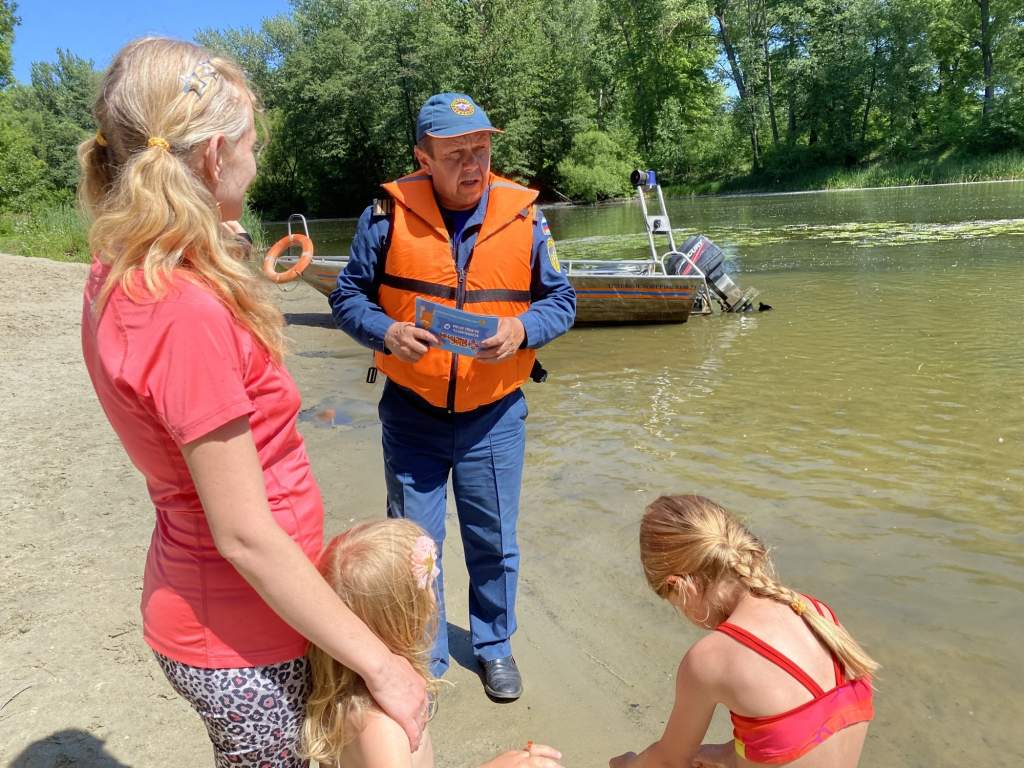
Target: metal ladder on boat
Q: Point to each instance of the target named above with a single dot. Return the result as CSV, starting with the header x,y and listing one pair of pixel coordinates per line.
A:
x,y
659,224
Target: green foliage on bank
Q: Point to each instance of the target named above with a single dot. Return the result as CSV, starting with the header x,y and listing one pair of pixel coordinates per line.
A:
x,y
596,168
729,93
55,231
58,231
949,168
717,95
41,126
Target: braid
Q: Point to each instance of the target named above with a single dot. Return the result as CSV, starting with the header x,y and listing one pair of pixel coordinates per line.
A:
x,y
761,582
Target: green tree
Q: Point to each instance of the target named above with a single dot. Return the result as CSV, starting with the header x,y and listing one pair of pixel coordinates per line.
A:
x,y
8,21
975,44
596,168
699,89
58,114
259,52
23,176
665,51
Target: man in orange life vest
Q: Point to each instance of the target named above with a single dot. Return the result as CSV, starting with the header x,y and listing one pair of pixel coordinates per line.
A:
x,y
459,235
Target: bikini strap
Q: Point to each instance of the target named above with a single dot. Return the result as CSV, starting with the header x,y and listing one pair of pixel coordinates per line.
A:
x,y
756,644
840,677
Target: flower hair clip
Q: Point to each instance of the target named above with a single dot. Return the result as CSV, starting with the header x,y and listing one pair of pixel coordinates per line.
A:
x,y
424,561
199,79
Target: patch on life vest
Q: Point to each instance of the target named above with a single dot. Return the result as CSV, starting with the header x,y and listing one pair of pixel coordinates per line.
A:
x,y
383,207
462,107
552,256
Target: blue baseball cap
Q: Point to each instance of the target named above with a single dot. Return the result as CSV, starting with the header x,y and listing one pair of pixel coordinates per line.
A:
x,y
445,115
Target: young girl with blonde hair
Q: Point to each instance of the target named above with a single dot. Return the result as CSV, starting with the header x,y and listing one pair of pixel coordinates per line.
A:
x,y
797,685
385,571
184,349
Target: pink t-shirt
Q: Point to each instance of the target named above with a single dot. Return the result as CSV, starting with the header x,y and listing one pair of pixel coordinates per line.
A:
x,y
168,371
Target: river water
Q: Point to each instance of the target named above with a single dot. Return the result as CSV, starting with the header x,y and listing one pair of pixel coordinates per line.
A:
x,y
870,428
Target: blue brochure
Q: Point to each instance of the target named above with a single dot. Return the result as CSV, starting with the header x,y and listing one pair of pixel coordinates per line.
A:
x,y
459,332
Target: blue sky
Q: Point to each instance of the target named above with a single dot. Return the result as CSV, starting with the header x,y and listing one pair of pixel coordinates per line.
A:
x,y
96,29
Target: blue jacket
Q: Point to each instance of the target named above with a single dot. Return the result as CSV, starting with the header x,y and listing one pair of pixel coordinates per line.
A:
x,y
354,300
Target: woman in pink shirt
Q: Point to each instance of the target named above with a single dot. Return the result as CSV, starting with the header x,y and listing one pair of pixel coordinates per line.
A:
x,y
185,353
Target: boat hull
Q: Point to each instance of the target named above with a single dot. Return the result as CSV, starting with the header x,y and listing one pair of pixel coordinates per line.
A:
x,y
633,299
601,298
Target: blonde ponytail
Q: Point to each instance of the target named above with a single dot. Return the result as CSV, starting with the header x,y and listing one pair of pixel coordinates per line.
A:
x,y
695,537
159,102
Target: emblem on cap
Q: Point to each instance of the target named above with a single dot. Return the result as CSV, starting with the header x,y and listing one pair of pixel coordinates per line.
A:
x,y
463,107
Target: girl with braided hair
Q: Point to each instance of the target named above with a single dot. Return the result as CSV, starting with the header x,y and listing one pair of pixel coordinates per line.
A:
x,y
797,685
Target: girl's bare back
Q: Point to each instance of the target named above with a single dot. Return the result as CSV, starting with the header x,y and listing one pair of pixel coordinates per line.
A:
x,y
756,687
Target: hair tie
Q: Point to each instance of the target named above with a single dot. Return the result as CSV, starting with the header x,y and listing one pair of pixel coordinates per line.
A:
x,y
158,141
798,606
100,139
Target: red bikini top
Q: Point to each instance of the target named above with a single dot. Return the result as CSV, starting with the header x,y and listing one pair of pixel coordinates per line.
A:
x,y
785,737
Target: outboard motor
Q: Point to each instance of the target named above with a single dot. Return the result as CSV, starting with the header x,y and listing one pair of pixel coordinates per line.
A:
x,y
698,256
710,259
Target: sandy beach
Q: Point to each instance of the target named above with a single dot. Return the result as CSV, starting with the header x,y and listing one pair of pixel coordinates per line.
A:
x,y
77,684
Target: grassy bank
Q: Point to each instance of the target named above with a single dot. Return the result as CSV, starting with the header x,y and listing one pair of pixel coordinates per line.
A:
x,y
945,169
59,232
56,232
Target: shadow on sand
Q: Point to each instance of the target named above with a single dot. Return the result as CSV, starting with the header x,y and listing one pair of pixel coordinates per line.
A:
x,y
311,319
66,748
460,648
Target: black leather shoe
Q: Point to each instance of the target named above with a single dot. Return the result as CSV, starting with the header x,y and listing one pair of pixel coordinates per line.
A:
x,y
502,679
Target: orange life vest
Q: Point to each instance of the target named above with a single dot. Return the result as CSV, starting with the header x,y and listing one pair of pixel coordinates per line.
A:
x,y
420,262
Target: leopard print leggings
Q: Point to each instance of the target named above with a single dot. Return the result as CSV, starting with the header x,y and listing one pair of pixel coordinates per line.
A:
x,y
252,714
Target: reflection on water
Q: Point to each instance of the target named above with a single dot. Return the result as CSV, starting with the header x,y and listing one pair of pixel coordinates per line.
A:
x,y
341,412
871,428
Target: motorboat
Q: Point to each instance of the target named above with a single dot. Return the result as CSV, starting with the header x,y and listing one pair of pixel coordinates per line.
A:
x,y
666,287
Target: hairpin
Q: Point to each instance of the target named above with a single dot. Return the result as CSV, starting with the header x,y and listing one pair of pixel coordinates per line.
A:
x,y
199,79
424,561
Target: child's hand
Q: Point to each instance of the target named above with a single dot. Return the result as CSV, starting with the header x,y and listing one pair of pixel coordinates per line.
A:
x,y
624,760
531,756
715,756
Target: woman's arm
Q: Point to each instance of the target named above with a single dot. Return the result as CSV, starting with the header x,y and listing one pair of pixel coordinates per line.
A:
x,y
227,474
686,726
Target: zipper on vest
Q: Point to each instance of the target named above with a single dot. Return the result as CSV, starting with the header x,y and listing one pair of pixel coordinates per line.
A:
x,y
460,299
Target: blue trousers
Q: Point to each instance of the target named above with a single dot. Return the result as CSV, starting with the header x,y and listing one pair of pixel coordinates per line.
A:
x,y
483,452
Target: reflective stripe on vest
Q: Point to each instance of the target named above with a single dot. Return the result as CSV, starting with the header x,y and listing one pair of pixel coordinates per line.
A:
x,y
420,262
